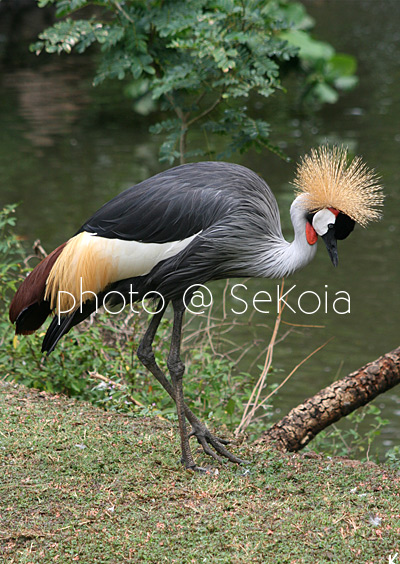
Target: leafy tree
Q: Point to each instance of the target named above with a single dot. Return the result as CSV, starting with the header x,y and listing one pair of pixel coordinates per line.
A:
x,y
200,60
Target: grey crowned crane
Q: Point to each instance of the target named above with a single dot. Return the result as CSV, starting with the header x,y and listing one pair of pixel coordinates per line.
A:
x,y
186,226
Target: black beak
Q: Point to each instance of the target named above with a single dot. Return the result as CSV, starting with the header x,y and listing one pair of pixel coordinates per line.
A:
x,y
331,244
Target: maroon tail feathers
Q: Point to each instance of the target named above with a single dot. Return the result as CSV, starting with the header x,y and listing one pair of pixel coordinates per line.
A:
x,y
29,309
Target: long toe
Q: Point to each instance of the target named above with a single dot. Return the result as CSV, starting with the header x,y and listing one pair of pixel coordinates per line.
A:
x,y
223,451
205,433
209,451
211,444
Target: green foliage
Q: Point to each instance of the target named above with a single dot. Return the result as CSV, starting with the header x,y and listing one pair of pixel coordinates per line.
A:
x,y
201,60
10,250
393,457
326,72
354,441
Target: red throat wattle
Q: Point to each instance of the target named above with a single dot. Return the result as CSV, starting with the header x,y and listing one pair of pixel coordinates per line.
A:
x,y
311,234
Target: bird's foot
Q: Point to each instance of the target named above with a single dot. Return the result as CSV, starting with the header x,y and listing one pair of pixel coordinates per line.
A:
x,y
209,442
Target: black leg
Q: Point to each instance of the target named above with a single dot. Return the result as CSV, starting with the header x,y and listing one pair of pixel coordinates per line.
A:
x,y
199,430
176,369
146,356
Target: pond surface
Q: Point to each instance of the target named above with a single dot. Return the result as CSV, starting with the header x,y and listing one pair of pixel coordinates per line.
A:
x,y
65,149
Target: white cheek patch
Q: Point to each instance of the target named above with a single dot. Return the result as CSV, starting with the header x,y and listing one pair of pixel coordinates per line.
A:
x,y
322,220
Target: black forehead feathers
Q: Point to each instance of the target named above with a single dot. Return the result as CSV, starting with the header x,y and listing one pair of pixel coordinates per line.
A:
x,y
310,217
344,225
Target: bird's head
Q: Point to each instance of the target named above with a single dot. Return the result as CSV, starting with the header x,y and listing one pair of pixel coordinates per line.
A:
x,y
336,195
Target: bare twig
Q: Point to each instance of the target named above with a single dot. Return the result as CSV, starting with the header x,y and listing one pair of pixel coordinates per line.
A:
x,y
120,8
293,371
96,376
39,250
248,413
205,112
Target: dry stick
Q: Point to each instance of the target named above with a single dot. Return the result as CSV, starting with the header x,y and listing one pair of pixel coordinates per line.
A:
x,y
201,330
206,329
255,361
303,325
96,376
245,351
257,406
39,253
283,337
293,371
39,250
208,326
224,299
248,415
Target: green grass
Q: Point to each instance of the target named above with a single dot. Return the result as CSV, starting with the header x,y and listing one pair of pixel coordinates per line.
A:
x,y
82,485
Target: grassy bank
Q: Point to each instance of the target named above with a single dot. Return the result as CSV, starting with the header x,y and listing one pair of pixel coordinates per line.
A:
x,y
82,485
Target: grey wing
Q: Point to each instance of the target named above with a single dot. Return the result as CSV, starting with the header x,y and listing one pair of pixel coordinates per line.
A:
x,y
186,200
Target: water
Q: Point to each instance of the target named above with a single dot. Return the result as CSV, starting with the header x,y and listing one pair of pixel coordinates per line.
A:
x,y
66,148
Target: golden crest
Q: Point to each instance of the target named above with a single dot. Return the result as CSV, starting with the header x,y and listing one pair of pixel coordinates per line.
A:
x,y
327,181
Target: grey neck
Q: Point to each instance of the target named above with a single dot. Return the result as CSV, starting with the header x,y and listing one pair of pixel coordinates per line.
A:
x,y
282,258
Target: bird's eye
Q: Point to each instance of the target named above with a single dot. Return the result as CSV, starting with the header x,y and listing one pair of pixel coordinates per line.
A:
x,y
330,225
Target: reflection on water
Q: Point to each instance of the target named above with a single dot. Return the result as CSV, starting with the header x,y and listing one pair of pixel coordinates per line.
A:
x,y
66,148
48,100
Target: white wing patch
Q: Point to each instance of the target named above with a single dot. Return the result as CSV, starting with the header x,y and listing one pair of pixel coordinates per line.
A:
x,y
132,258
89,263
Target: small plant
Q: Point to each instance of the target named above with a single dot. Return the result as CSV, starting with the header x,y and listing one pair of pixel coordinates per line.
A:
x,y
11,253
353,442
393,457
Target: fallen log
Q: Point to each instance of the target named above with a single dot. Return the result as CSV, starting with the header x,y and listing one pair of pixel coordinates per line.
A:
x,y
305,421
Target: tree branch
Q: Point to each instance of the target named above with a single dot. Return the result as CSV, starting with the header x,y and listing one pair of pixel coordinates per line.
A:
x,y
123,12
205,112
305,421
